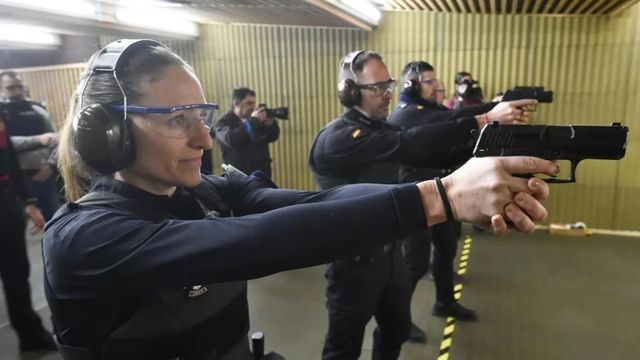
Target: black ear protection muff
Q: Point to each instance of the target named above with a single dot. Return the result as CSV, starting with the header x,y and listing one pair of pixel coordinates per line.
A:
x,y
101,134
411,84
348,91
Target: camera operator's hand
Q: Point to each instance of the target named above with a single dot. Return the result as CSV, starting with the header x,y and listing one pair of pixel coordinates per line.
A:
x,y
43,174
260,114
47,139
36,217
484,192
507,112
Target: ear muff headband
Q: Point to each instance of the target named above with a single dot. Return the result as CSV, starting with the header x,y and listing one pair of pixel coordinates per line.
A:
x,y
411,86
101,135
348,91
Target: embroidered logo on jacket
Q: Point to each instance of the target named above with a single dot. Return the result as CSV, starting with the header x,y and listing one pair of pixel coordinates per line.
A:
x,y
195,291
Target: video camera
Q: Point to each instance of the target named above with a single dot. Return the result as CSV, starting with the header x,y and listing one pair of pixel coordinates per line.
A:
x,y
281,113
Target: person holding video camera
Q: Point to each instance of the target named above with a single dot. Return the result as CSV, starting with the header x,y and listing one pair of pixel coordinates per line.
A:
x,y
244,133
468,92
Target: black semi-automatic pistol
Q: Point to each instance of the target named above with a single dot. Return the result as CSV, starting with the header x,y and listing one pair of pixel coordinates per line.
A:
x,y
554,142
528,92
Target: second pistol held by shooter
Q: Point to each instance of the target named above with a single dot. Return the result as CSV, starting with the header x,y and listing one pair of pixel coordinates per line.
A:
x,y
554,142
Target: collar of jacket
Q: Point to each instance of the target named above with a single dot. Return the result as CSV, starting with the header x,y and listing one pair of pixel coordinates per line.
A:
x,y
420,101
354,115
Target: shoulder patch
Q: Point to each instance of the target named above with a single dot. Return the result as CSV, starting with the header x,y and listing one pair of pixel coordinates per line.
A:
x,y
355,133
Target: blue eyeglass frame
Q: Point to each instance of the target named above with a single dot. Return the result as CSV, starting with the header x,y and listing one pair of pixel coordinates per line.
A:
x,y
163,110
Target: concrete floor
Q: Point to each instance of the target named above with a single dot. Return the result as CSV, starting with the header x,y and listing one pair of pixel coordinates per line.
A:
x,y
537,297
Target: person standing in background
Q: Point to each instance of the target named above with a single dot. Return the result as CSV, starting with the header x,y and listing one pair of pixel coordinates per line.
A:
x,y
15,203
244,133
32,134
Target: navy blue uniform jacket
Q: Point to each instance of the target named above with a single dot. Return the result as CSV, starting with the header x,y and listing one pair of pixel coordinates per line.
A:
x,y
352,148
97,257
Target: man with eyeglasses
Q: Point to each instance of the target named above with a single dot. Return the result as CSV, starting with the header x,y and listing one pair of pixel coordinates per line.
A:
x,y
359,147
420,105
32,134
245,132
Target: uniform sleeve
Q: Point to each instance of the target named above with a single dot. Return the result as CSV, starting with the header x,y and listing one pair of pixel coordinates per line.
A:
x,y
25,143
473,110
102,250
48,123
422,145
231,133
264,132
272,131
457,152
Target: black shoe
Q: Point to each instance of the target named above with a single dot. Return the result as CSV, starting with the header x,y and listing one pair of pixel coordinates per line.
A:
x,y
39,340
454,310
416,335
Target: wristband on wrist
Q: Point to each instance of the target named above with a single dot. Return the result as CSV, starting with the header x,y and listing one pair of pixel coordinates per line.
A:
x,y
445,200
486,119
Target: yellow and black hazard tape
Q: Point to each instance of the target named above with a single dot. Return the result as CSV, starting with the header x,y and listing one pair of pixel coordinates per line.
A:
x,y
450,325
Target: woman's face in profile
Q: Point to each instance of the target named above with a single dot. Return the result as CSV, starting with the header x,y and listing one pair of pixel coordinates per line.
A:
x,y
165,160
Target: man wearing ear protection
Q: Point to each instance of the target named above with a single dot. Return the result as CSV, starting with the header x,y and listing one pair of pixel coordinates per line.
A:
x,y
360,146
357,147
418,106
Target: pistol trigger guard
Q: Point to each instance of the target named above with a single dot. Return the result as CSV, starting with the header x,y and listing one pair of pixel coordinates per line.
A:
x,y
574,166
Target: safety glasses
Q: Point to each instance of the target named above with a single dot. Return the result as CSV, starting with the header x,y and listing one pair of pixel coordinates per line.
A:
x,y
380,88
429,81
177,121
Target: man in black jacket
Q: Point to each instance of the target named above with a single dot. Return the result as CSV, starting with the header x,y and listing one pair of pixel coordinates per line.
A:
x,y
359,146
14,263
32,134
244,133
418,106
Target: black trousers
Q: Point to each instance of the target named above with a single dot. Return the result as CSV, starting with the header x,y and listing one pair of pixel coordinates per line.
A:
x,y
377,286
417,254
14,266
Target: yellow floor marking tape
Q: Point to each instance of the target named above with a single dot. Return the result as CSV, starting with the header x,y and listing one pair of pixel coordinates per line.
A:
x,y
450,327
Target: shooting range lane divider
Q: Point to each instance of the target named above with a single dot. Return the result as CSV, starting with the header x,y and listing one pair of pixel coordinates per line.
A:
x,y
450,324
